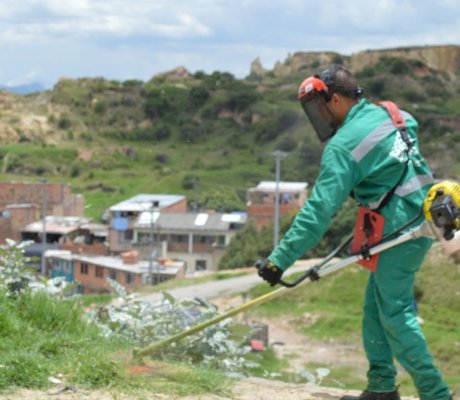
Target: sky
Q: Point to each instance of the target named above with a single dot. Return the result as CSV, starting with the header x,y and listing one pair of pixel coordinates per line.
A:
x,y
44,40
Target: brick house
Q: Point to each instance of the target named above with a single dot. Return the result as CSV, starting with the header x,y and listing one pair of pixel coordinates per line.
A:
x,y
25,203
262,199
90,271
76,234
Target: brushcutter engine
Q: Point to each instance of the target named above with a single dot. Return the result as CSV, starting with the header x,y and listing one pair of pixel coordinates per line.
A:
x,y
442,207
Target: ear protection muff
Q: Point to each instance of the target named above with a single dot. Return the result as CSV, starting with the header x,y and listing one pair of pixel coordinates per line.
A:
x,y
327,76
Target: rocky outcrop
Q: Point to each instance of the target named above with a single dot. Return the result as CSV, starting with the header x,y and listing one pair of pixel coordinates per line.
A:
x,y
175,74
439,58
257,69
299,61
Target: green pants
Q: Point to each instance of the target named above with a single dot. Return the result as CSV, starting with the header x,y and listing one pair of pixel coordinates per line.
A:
x,y
390,327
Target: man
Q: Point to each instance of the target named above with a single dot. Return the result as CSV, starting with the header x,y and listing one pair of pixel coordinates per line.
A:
x,y
381,166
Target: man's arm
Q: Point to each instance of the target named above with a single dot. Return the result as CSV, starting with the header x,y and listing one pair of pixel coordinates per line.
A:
x,y
339,174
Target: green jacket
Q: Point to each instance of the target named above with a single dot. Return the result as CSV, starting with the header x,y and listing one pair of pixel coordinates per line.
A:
x,y
367,156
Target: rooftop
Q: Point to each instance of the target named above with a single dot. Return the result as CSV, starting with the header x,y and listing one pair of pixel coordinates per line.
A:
x,y
286,187
190,221
143,202
116,263
58,225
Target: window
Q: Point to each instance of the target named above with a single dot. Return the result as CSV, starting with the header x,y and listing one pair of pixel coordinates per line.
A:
x,y
179,238
84,268
221,241
203,239
99,272
113,274
125,236
66,267
143,237
200,265
128,277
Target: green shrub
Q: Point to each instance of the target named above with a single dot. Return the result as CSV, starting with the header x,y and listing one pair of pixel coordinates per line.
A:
x,y
162,132
413,96
287,144
398,67
190,182
100,107
366,72
198,96
376,87
275,125
161,158
157,105
64,121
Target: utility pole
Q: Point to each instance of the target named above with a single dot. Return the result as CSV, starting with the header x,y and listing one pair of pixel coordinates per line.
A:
x,y
152,251
279,155
45,208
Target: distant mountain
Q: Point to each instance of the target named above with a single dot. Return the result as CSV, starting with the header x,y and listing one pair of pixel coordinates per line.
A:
x,y
24,89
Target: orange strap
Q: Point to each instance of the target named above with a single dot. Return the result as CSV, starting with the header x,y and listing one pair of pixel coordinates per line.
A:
x,y
368,231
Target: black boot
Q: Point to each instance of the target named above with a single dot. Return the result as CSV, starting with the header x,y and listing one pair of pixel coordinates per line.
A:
x,y
368,395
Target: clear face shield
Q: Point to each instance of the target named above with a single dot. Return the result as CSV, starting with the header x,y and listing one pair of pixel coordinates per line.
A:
x,y
320,116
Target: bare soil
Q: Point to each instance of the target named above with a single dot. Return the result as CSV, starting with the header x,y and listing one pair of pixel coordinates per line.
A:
x,y
286,341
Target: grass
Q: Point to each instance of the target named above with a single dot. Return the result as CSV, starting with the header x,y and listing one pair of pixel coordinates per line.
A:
x,y
43,336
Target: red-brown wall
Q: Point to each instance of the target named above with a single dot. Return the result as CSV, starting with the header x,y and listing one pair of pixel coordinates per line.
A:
x,y
264,214
179,207
92,283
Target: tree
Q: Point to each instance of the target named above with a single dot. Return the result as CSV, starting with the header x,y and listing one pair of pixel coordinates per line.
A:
x,y
157,105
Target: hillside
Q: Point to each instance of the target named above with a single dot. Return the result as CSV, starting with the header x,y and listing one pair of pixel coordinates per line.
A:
x,y
210,136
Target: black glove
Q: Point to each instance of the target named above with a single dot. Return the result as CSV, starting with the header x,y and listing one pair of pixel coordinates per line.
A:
x,y
268,271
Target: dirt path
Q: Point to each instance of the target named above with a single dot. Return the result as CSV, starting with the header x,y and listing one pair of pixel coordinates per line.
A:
x,y
246,389
286,341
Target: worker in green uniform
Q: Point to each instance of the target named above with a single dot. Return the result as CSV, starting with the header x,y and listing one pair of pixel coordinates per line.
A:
x,y
367,156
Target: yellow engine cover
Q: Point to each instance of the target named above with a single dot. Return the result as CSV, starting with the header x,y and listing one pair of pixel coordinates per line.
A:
x,y
443,188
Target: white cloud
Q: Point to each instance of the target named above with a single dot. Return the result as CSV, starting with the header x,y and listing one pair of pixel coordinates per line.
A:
x,y
138,38
86,17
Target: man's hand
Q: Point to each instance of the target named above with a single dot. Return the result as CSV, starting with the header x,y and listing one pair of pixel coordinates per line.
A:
x,y
268,271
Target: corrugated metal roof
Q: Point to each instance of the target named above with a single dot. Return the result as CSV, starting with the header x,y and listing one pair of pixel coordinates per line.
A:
x,y
143,202
59,225
270,186
142,267
194,221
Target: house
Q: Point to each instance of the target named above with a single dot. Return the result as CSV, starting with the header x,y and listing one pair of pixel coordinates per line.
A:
x,y
76,234
24,203
122,216
262,200
90,272
197,238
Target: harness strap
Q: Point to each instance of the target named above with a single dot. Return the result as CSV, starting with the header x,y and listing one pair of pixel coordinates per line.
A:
x,y
398,122
397,119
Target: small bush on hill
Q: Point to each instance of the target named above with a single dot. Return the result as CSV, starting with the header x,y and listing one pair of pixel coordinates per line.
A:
x,y
275,125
